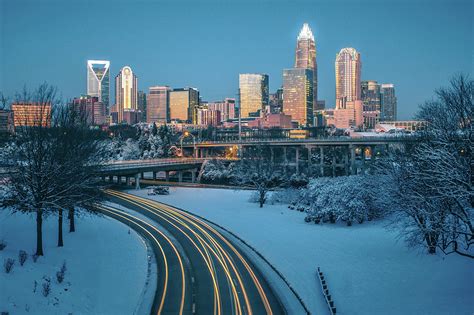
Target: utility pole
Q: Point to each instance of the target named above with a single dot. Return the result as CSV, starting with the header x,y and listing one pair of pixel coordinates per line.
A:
x,y
240,123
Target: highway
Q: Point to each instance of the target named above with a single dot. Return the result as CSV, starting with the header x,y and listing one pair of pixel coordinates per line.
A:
x,y
199,270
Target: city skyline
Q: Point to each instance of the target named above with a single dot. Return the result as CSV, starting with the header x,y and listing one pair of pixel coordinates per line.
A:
x,y
390,51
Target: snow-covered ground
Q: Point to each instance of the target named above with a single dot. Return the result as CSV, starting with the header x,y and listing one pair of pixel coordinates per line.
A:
x,y
369,271
106,267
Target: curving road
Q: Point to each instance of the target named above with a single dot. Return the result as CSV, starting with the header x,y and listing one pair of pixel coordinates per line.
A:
x,y
200,270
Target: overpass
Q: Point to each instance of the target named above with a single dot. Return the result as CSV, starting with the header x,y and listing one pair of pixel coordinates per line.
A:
x,y
353,152
135,169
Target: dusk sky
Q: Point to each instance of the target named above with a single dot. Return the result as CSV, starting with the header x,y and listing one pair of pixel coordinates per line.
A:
x,y
417,45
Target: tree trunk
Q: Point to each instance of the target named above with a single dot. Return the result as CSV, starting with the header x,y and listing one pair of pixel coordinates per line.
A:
x,y
39,232
60,228
72,227
262,198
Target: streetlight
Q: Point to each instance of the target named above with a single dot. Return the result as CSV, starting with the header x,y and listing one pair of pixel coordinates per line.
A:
x,y
186,134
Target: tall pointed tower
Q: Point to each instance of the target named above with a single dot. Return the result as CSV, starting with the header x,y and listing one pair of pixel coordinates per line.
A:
x,y
305,57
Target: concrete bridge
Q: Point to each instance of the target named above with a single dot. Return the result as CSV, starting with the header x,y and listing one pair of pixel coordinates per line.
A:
x,y
135,169
324,156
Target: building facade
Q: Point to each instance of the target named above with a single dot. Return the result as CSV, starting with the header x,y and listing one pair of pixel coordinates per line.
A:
x,y
253,94
305,57
298,95
371,100
95,112
348,68
348,114
141,104
31,115
6,121
183,106
276,101
226,107
209,117
389,103
271,121
158,105
98,80
126,93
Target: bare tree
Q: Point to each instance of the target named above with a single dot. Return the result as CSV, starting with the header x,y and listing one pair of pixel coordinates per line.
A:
x,y
257,170
53,160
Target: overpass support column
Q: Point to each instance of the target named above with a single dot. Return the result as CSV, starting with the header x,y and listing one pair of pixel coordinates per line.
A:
x,y
346,161
334,165
363,159
127,180
103,178
142,176
272,155
119,180
309,161
111,179
297,158
137,181
154,175
353,166
167,176
285,158
321,160
193,175
180,176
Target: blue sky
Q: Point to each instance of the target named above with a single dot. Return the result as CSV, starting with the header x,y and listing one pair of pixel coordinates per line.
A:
x,y
417,45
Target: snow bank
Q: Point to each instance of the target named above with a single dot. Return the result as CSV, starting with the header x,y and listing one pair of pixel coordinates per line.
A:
x,y
368,270
106,267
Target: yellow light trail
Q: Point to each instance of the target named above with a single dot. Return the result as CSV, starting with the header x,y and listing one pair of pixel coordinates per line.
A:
x,y
183,279
172,212
153,210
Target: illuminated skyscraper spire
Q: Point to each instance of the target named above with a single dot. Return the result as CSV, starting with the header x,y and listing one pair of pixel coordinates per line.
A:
x,y
305,57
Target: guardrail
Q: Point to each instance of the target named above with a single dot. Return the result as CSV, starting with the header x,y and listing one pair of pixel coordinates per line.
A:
x,y
327,296
327,139
128,164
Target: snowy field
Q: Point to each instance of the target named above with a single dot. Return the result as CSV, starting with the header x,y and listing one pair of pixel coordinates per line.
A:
x,y
369,271
106,267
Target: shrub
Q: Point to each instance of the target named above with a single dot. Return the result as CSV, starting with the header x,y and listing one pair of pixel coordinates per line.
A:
x,y
22,257
35,257
3,244
61,273
8,264
46,286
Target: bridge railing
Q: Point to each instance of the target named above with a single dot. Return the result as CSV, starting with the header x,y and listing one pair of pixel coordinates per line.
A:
x,y
390,137
130,164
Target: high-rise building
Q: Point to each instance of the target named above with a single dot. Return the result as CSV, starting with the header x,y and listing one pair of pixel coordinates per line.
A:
x,y
183,105
158,104
31,114
298,95
371,100
348,72
209,117
90,106
6,121
141,104
253,92
389,102
126,93
226,107
305,57
98,80
276,101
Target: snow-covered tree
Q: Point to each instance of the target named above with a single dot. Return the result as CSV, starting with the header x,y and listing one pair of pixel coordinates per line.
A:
x,y
433,179
256,169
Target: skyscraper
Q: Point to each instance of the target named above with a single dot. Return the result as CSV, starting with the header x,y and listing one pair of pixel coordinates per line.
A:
x,y
298,95
371,99
98,77
253,91
305,57
348,72
94,111
183,105
158,104
126,93
141,104
389,103
226,107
